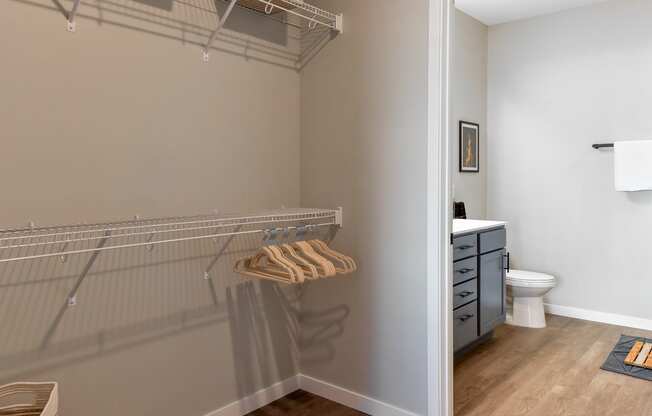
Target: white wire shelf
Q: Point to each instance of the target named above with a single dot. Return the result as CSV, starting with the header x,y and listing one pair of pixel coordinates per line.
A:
x,y
295,13
312,14
64,240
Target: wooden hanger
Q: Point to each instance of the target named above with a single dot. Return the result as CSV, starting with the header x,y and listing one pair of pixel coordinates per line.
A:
x,y
297,271
21,410
243,266
324,266
347,263
343,256
309,269
271,262
44,399
268,264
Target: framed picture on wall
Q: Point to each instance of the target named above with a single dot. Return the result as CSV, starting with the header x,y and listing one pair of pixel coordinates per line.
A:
x,y
469,147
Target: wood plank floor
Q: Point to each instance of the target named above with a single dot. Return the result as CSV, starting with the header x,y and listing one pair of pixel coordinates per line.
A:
x,y
301,403
549,372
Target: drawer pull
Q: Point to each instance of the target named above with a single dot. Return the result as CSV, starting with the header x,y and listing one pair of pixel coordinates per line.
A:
x,y
465,271
465,247
465,294
465,317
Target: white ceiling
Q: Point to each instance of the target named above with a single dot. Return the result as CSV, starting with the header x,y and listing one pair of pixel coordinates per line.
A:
x,y
493,12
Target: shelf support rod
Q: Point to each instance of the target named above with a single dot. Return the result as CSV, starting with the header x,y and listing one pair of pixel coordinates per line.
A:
x,y
71,16
213,262
72,297
220,253
217,30
71,300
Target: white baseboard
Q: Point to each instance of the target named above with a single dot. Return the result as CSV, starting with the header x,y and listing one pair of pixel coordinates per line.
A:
x,y
312,385
603,317
259,399
349,398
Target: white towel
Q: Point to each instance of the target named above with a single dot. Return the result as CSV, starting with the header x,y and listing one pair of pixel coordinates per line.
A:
x,y
633,165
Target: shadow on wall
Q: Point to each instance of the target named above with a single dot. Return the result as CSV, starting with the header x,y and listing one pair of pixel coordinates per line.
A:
x,y
640,198
278,40
139,296
160,4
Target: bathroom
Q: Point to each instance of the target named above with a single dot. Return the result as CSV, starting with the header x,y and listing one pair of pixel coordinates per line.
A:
x,y
540,92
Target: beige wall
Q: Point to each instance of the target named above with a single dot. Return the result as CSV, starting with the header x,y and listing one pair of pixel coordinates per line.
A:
x,y
364,136
469,89
123,118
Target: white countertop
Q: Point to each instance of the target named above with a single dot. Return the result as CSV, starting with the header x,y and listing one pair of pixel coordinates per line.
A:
x,y
469,226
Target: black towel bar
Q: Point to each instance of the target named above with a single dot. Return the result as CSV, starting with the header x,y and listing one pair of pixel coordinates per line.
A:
x,y
602,145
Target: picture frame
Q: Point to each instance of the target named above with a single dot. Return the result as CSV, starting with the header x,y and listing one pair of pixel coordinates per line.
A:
x,y
469,147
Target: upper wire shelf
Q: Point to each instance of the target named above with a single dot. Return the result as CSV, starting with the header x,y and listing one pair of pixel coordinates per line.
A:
x,y
64,240
295,10
299,8
314,15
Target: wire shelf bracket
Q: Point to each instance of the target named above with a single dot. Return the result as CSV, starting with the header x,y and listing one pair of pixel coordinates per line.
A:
x,y
219,254
220,25
72,25
72,295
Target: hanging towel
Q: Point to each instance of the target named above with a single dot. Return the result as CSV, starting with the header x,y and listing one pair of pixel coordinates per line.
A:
x,y
633,165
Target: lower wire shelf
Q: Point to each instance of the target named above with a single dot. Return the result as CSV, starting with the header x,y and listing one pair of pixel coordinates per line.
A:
x,y
65,240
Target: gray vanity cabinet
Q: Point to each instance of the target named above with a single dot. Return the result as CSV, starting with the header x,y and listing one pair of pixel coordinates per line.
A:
x,y
478,285
492,291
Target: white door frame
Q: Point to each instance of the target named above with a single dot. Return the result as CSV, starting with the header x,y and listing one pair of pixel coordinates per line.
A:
x,y
439,222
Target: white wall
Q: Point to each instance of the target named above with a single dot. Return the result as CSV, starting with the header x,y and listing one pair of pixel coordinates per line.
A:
x,y
364,147
469,89
557,84
123,118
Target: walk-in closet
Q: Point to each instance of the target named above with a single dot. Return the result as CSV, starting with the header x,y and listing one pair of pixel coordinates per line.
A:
x,y
220,207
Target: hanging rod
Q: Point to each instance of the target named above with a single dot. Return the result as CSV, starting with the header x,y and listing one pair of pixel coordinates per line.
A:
x,y
322,217
602,145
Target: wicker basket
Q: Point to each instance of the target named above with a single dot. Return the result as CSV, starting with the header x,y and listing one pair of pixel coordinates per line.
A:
x,y
29,399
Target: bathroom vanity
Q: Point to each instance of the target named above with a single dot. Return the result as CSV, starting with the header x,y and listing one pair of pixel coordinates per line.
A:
x,y
479,290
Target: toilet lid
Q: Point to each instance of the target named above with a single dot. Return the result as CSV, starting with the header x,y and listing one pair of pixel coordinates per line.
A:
x,y
531,277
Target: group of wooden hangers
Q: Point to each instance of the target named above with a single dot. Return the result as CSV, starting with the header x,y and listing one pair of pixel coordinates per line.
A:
x,y
28,399
296,262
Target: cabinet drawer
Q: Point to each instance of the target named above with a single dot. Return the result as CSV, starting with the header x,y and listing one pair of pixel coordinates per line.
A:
x,y
465,293
465,270
493,240
465,325
465,246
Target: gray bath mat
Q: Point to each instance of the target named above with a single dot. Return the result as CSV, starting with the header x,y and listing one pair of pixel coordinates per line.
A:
x,y
616,360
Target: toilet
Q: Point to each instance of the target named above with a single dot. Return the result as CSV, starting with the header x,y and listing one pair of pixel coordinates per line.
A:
x,y
527,290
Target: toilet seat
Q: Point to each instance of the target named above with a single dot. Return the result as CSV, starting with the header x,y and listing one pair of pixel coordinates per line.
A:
x,y
522,278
